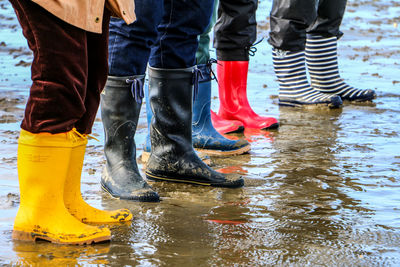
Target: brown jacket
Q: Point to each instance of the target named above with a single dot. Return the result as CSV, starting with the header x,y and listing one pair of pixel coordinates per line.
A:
x,y
88,14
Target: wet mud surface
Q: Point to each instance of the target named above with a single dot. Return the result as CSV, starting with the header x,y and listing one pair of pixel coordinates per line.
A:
x,y
323,190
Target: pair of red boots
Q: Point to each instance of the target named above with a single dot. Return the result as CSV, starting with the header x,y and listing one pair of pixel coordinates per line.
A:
x,y
235,112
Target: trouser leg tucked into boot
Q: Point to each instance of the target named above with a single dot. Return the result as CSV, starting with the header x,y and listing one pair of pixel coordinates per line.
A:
x,y
322,64
72,191
43,163
234,105
294,88
172,155
121,101
204,136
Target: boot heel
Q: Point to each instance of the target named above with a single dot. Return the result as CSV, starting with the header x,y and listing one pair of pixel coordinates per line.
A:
x,y
23,236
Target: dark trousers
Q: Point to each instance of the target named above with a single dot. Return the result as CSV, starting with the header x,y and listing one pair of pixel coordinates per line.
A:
x,y
292,20
163,36
69,70
235,30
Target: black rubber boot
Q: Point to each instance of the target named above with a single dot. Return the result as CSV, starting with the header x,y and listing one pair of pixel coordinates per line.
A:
x,y
121,101
172,155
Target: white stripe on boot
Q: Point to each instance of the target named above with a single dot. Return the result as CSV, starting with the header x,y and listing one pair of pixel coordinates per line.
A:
x,y
294,88
321,58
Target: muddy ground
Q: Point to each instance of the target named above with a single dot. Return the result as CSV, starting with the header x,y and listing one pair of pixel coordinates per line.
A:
x,y
323,190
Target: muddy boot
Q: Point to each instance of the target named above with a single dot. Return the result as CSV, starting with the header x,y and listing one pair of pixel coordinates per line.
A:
x,y
321,58
73,199
147,144
43,163
121,101
204,136
173,157
294,88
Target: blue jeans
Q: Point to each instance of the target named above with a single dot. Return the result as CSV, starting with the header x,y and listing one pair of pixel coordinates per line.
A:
x,y
164,35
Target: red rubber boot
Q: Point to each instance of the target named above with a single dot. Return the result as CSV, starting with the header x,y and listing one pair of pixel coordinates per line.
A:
x,y
226,126
234,105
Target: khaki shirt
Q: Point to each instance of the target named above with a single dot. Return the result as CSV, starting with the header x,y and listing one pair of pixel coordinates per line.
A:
x,y
88,14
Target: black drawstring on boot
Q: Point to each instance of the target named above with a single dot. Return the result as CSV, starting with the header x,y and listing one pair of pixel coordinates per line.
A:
x,y
195,81
253,49
209,66
136,89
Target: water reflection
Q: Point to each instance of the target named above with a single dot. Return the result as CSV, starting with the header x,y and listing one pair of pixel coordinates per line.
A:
x,y
47,254
310,206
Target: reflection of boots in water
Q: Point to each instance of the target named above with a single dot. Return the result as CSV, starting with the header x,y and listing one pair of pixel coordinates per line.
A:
x,y
321,57
232,169
204,136
172,155
43,164
120,108
253,135
234,105
45,254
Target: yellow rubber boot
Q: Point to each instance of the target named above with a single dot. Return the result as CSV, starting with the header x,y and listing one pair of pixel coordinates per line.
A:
x,y
72,192
43,162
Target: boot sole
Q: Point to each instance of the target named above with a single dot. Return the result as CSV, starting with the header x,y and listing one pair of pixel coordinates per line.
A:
x,y
167,179
220,153
271,127
30,236
240,129
307,106
158,178
360,100
105,189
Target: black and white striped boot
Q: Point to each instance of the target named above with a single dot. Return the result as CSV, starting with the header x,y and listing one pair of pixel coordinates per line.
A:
x,y
294,88
321,58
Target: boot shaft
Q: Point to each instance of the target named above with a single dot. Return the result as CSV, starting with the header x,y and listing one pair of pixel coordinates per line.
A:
x,y
290,69
321,57
232,83
43,162
121,102
170,96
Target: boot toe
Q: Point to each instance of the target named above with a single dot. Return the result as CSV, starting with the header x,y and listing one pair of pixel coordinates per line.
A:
x,y
335,101
128,187
141,195
364,95
231,181
221,146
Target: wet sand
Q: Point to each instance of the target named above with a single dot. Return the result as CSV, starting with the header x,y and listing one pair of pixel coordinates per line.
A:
x,y
320,191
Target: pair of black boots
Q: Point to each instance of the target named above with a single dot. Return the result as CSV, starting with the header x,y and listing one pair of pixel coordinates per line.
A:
x,y
172,155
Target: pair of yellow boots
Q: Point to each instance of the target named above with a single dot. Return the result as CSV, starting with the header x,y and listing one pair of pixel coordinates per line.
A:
x,y
51,205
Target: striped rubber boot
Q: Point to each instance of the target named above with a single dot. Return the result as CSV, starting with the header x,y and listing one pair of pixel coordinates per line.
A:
x,y
321,58
294,88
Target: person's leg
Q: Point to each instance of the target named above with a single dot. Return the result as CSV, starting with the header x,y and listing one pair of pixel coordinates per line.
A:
x,y
204,136
97,50
171,80
289,20
55,104
321,53
235,33
121,101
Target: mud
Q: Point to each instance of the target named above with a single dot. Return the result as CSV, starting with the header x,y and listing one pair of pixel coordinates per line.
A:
x,y
322,190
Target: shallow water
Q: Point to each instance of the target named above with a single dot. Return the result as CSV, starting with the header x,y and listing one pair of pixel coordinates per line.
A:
x,y
322,190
